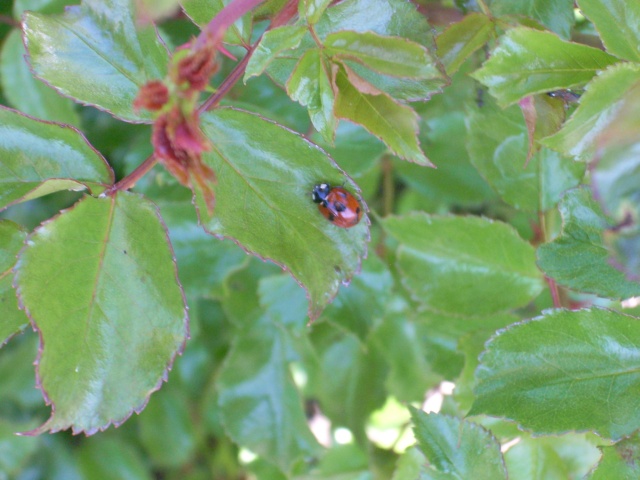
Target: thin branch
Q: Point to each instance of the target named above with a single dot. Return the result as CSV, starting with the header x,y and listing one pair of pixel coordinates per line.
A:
x,y
228,83
555,294
6,19
130,180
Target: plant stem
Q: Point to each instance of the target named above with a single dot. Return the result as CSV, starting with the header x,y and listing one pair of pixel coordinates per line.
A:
x,y
130,180
555,294
228,83
220,23
6,19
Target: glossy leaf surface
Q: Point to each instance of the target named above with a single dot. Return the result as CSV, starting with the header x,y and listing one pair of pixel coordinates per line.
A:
x,y
578,258
456,264
458,448
591,356
616,23
498,148
310,85
16,78
119,317
392,122
90,65
389,55
556,15
529,61
598,106
37,158
392,18
461,39
263,201
12,320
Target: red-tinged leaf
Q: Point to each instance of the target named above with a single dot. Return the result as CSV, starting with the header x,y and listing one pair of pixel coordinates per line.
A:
x,y
393,123
263,202
91,66
37,158
99,284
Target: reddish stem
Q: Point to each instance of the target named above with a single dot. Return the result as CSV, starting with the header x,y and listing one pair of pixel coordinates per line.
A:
x,y
555,294
130,180
9,21
220,23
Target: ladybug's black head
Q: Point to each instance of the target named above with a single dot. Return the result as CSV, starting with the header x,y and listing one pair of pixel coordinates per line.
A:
x,y
320,192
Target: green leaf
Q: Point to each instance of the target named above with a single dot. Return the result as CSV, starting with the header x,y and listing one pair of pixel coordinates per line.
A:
x,y
529,61
203,11
615,22
556,15
16,79
456,264
90,66
578,258
108,458
310,85
389,55
411,466
603,98
393,123
455,181
264,202
392,18
167,430
37,158
530,370
260,404
361,306
621,460
549,458
498,147
461,39
398,340
99,283
15,451
312,10
42,6
273,43
12,320
459,448
204,262
348,379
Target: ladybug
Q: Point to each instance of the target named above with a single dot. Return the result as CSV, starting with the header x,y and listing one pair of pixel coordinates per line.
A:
x,y
337,205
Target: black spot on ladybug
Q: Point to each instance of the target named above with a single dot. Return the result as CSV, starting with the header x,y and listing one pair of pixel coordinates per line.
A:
x,y
340,207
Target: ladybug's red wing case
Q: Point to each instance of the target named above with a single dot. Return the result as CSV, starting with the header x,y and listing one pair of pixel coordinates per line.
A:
x,y
337,205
